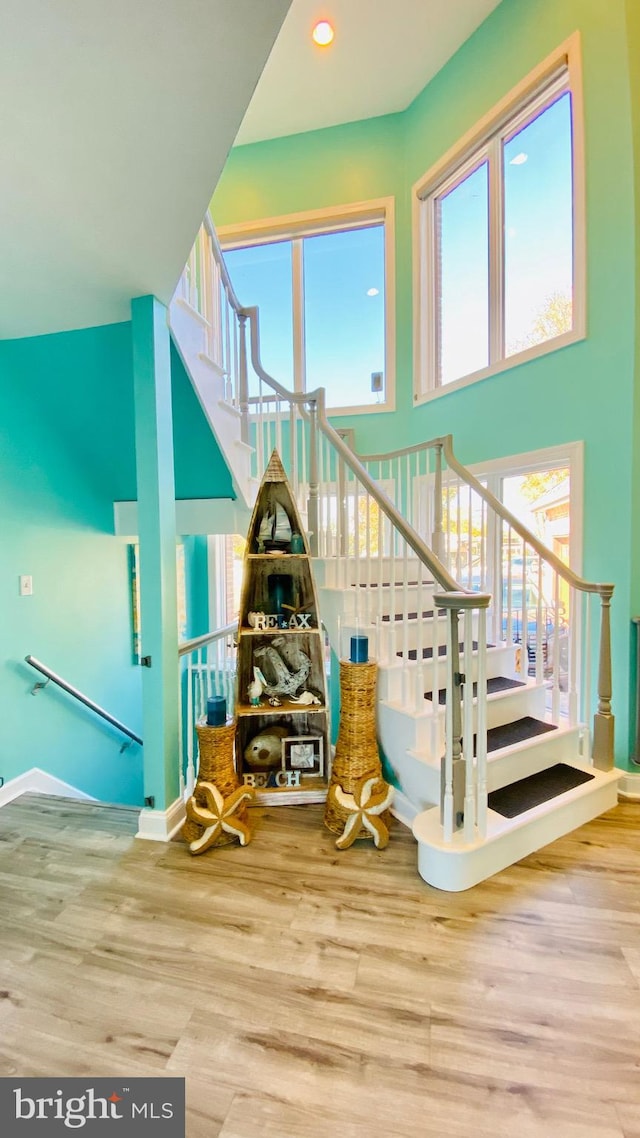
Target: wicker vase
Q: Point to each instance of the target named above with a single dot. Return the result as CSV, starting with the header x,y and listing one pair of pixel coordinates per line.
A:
x,y
357,746
216,765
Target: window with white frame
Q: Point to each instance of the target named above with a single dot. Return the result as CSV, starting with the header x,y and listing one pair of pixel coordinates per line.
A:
x,y
323,284
500,237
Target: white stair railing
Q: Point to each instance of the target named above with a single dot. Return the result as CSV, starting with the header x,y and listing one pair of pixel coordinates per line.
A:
x,y
205,286
206,667
538,602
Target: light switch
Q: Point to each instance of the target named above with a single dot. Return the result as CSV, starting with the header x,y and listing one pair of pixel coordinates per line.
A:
x,y
26,586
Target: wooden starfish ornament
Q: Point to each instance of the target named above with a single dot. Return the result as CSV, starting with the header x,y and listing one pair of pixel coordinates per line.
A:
x,y
364,809
218,815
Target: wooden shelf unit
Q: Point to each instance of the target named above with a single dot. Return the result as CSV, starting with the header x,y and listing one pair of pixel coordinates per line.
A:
x,y
293,649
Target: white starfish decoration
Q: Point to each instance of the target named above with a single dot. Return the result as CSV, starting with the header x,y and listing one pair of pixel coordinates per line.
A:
x,y
217,816
364,809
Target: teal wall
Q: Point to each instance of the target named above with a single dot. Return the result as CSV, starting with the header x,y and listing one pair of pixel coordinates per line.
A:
x,y
633,43
66,453
583,392
200,469
57,515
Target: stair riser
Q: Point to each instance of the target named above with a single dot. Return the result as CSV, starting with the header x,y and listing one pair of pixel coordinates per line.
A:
x,y
393,639
369,605
385,570
419,776
432,675
456,869
501,709
552,748
425,731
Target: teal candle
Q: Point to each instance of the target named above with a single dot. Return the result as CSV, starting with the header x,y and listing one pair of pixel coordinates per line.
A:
x,y
216,711
359,649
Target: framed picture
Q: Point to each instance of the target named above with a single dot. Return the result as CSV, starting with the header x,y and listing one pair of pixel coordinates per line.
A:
x,y
304,754
134,603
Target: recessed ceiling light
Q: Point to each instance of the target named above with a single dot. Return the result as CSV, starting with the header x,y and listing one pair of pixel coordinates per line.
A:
x,y
322,33
373,291
519,159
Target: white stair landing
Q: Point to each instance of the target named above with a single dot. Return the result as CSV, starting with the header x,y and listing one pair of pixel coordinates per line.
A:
x,y
458,865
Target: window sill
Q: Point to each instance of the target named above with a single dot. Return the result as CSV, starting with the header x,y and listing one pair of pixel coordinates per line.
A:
x,y
362,409
514,361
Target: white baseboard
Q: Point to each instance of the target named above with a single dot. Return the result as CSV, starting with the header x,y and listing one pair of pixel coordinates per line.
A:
x,y
403,809
161,825
629,786
36,781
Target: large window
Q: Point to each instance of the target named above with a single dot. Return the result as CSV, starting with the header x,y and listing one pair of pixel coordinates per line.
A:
x,y
324,288
500,238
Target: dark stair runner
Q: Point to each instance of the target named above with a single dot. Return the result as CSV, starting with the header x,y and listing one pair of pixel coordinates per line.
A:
x,y
516,732
413,615
427,653
528,792
495,684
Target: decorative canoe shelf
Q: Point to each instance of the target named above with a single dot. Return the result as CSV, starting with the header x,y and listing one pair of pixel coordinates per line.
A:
x,y
281,740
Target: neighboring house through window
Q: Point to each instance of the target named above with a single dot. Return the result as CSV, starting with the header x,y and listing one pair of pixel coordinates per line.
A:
x,y
323,283
500,244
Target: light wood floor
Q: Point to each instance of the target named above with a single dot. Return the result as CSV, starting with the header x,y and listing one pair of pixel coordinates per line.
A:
x,y
306,993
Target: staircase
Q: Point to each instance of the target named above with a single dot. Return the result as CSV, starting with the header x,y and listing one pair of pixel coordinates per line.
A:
x,y
554,786
484,698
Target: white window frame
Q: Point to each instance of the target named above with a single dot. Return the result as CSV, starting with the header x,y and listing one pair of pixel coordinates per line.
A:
x,y
570,455
561,68
311,223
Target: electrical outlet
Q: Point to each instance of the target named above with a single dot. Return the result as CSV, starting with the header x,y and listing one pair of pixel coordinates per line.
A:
x,y
26,586
376,380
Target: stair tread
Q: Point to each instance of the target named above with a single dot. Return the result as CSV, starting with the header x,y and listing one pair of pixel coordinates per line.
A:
x,y
427,653
517,731
413,615
526,793
390,584
494,684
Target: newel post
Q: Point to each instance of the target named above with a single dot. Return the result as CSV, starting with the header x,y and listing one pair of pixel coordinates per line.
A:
x,y
603,720
312,505
463,788
452,779
243,384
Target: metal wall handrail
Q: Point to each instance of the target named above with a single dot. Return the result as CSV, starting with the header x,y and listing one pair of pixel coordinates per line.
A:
x,y
187,646
84,699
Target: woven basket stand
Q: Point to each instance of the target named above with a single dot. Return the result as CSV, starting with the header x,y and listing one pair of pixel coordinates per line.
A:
x,y
357,753
216,765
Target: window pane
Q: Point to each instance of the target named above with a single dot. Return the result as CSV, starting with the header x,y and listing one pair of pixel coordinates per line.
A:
x,y
344,314
262,275
462,237
538,229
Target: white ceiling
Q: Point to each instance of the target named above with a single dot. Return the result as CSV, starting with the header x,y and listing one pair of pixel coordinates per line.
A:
x,y
383,54
117,119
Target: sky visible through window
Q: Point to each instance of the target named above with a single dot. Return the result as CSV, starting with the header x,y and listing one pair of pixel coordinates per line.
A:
x,y
343,306
344,313
538,247
463,225
262,276
538,229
